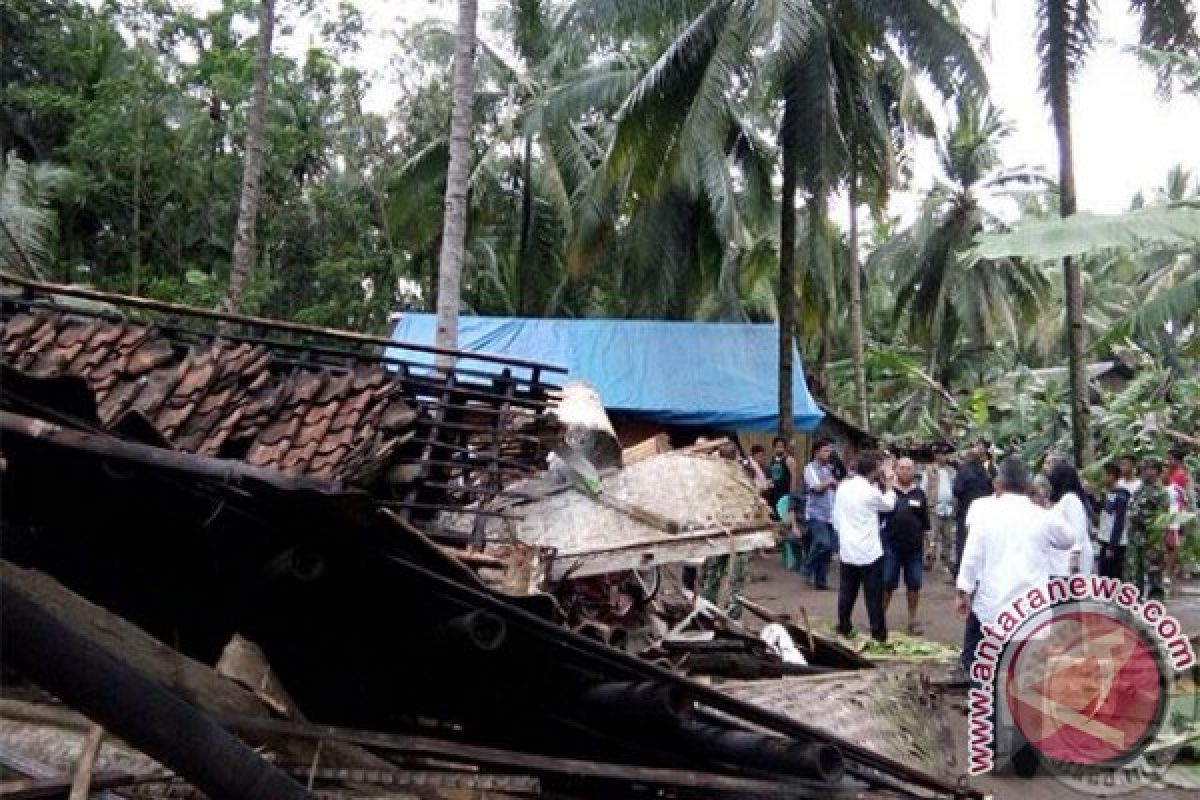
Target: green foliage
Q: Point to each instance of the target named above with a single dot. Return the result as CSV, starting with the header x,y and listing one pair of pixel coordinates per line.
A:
x,y
626,161
27,220
1048,239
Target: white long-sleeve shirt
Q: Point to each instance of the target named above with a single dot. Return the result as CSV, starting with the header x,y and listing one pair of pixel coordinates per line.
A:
x,y
1005,553
1071,509
856,510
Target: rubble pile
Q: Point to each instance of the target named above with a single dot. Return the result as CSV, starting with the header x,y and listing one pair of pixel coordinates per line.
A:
x,y
255,559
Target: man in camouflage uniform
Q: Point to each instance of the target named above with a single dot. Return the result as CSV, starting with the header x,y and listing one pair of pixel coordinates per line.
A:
x,y
713,582
713,585
1146,555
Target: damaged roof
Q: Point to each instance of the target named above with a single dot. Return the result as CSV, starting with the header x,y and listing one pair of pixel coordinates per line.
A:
x,y
345,409
219,398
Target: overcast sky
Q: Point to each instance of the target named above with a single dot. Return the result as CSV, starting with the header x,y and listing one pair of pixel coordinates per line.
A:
x,y
1125,138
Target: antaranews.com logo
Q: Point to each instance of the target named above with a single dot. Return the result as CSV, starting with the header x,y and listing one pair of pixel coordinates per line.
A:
x,y
1083,675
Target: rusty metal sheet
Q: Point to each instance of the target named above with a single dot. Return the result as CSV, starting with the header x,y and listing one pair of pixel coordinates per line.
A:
x,y
888,710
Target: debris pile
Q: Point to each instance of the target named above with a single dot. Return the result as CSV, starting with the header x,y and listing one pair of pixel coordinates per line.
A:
x,y
179,483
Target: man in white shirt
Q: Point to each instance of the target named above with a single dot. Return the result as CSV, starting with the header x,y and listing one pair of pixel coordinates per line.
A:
x,y
938,483
1008,537
856,509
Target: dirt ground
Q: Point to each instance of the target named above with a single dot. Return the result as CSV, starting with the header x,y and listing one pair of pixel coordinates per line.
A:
x,y
771,585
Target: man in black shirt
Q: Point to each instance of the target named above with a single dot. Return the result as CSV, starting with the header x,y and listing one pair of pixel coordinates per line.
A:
x,y
971,483
782,472
904,540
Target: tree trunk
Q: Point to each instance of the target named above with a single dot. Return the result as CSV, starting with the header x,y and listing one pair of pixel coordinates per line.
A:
x,y
136,258
526,226
787,265
244,236
1076,333
454,224
935,352
856,313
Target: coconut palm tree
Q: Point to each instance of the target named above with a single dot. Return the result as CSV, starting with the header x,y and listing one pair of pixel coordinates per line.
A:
x,y
244,235
683,189
454,225
818,56
945,291
1066,34
832,65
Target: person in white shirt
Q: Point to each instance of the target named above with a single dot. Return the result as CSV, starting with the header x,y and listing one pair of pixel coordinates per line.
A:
x,y
1067,495
856,509
1008,537
938,483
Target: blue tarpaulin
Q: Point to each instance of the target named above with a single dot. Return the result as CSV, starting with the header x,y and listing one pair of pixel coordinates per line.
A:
x,y
712,375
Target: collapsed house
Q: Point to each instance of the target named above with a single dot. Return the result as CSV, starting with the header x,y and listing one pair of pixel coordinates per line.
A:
x,y
177,481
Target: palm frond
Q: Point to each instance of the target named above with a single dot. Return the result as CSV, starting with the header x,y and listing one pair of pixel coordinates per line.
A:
x,y
816,134
625,18
933,42
1066,33
1167,25
1173,306
692,72
27,220
1168,65
601,86
1047,239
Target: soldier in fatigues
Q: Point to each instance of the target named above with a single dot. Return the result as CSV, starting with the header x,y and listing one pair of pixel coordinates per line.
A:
x,y
1145,557
713,576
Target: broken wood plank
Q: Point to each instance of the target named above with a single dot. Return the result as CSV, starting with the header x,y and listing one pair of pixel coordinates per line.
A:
x,y
245,663
659,443
81,785
472,559
38,788
666,550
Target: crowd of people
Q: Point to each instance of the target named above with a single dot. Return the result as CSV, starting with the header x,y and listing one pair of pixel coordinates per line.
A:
x,y
990,525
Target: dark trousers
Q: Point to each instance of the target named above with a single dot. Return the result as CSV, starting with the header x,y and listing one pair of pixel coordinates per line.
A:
x,y
960,541
972,636
820,551
870,578
1112,561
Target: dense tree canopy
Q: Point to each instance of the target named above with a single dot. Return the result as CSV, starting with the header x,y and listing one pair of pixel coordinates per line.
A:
x,y
627,159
